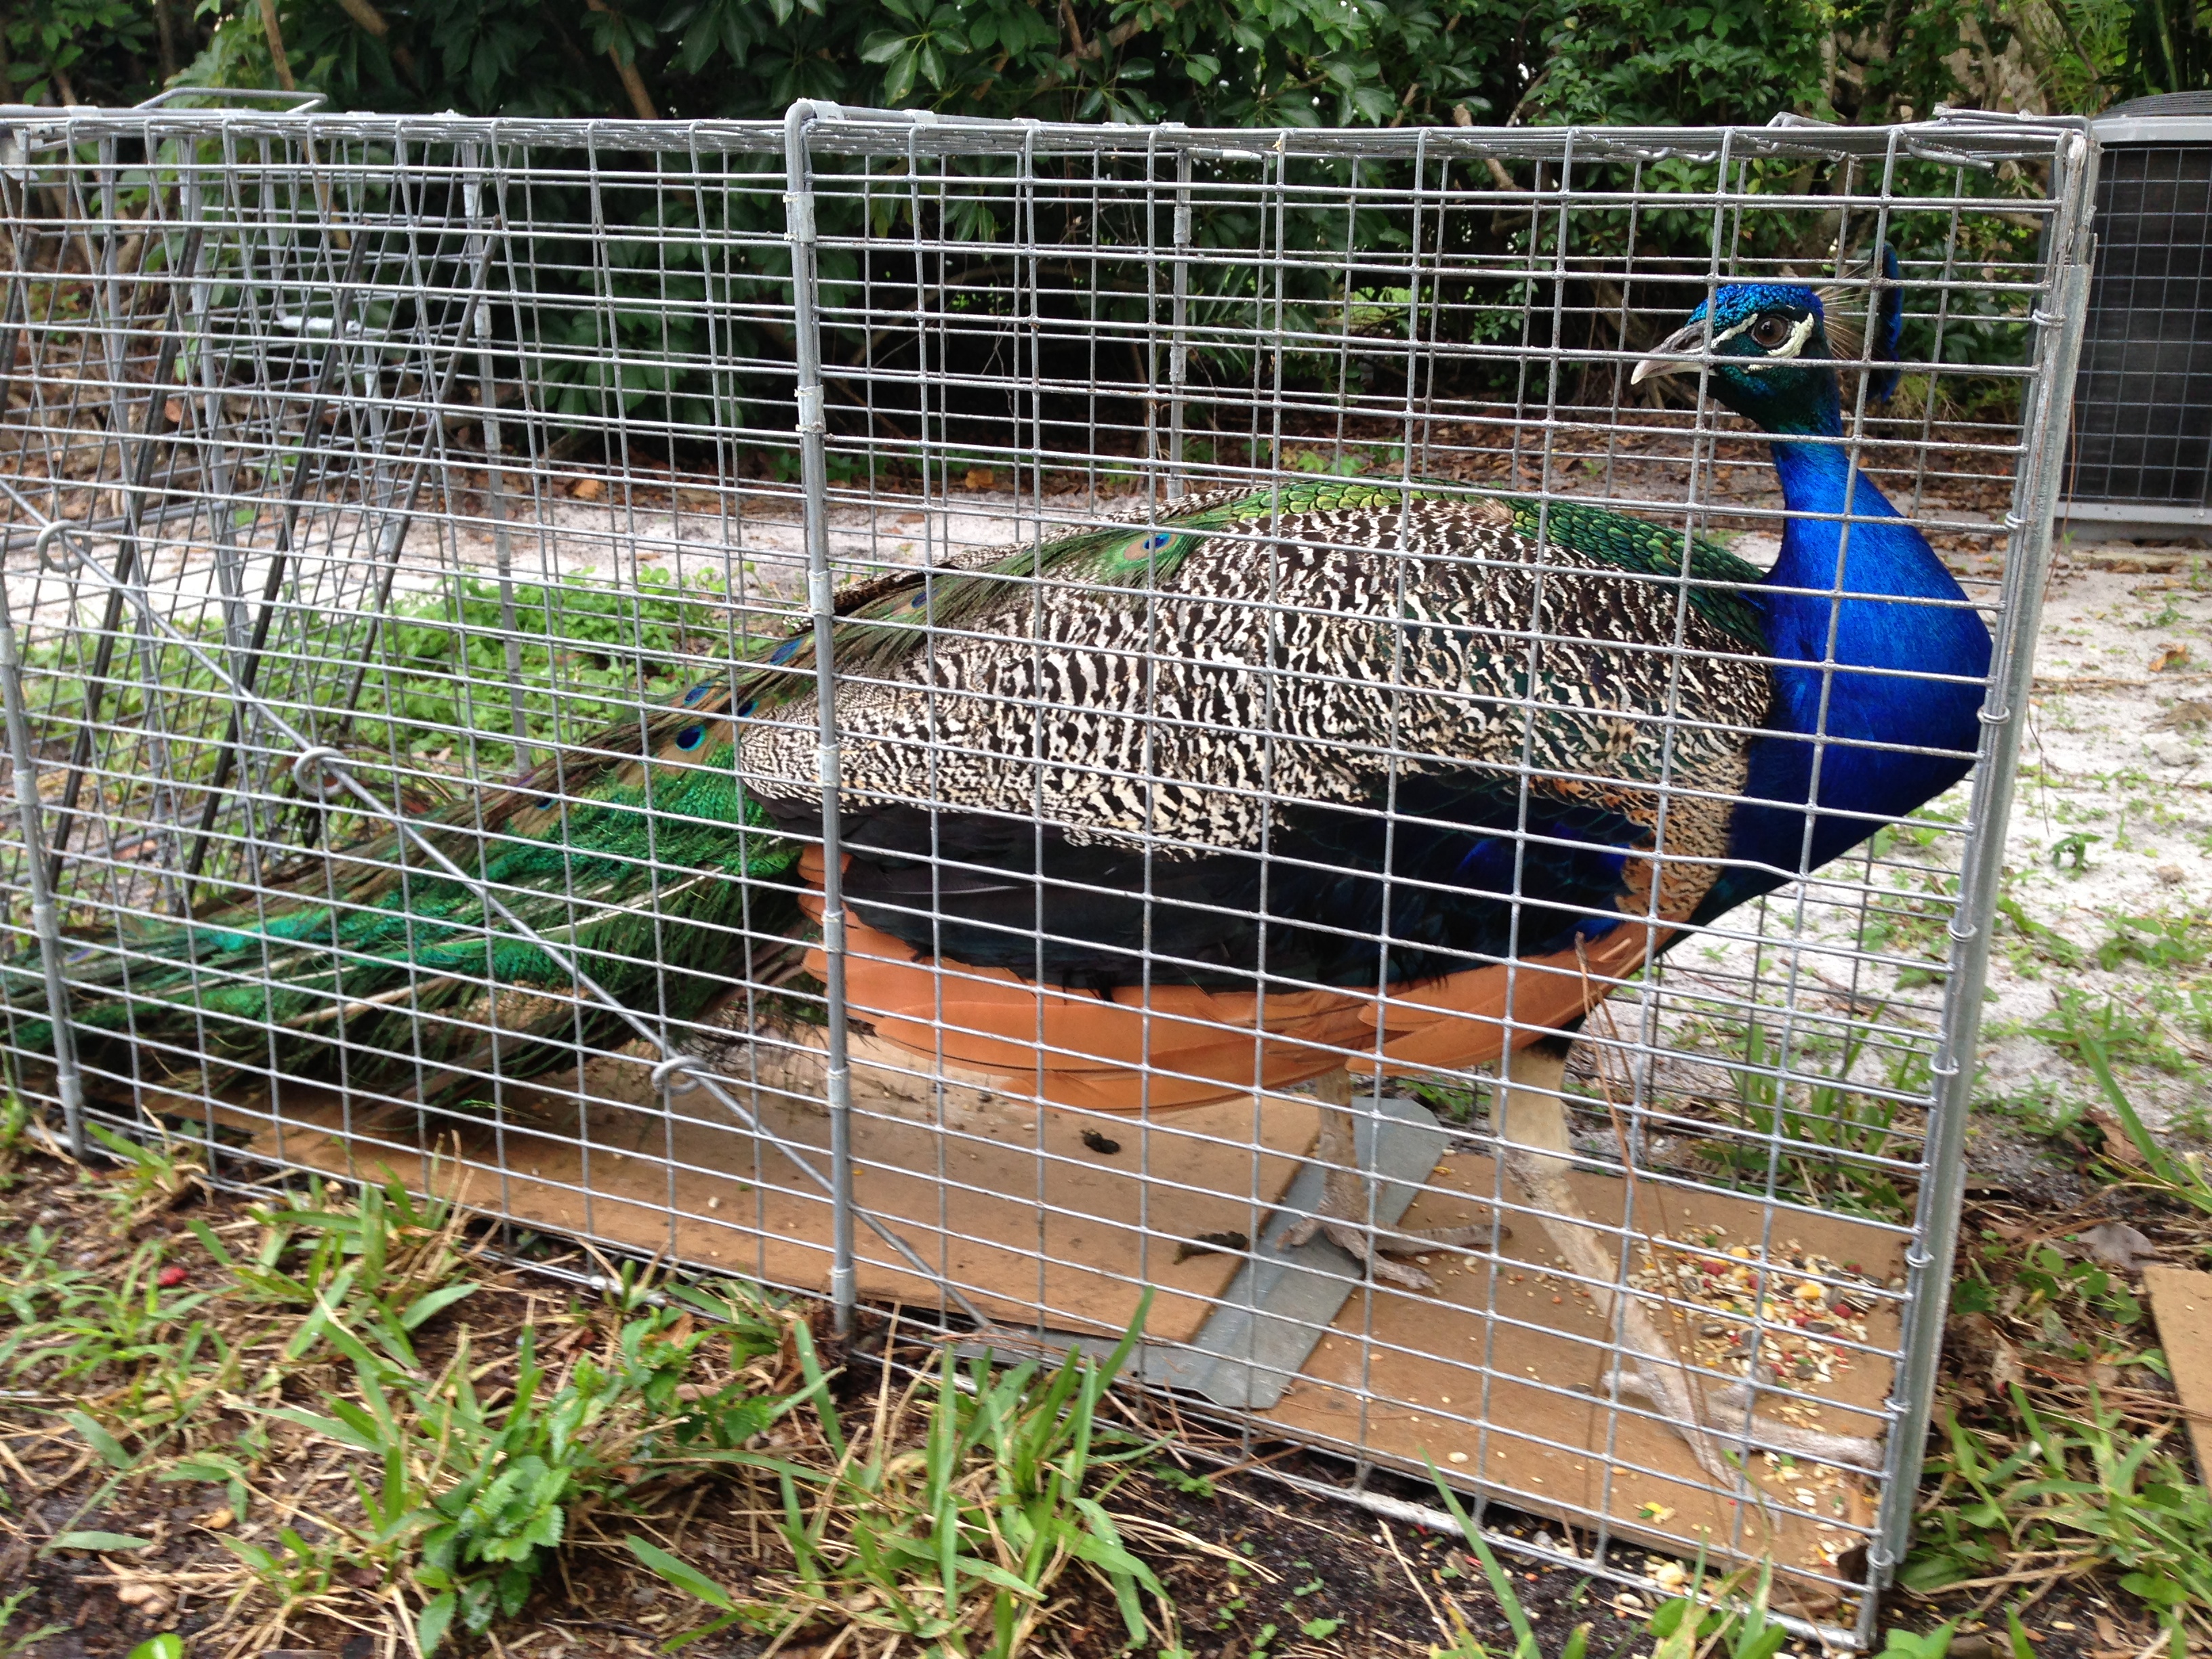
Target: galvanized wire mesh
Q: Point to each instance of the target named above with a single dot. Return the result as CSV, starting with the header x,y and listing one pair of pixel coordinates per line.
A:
x,y
375,486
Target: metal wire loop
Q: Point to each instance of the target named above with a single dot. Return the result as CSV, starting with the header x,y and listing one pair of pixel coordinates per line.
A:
x,y
317,770
60,531
677,1075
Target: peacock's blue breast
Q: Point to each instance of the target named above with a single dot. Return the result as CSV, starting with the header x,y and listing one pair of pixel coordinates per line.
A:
x,y
1875,698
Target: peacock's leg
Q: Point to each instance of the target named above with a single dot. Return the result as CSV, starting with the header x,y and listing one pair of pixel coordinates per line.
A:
x,y
1342,1214
1530,1119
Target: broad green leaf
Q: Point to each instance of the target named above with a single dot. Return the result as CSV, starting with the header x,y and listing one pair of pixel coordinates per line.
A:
x,y
435,1619
110,1450
99,1542
680,1573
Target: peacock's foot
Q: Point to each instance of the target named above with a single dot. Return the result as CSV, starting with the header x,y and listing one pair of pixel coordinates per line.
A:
x,y
1340,1215
1726,1416
1344,1201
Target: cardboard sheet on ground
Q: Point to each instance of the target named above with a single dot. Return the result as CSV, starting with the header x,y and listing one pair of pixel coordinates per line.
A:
x,y
1498,1376
1523,1353
1012,1205
2181,1302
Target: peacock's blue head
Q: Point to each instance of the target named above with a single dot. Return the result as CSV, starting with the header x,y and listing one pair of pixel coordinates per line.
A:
x,y
1773,348
1768,343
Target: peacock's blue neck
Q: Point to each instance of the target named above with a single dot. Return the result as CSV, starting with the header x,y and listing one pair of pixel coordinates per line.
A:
x,y
1868,594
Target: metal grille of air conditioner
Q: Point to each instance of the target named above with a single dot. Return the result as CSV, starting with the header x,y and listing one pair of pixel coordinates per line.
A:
x,y
2143,401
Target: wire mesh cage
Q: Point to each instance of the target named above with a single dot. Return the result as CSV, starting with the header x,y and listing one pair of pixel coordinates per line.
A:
x,y
1007,719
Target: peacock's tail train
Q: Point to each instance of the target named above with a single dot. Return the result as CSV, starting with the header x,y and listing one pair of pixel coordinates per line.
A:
x,y
375,969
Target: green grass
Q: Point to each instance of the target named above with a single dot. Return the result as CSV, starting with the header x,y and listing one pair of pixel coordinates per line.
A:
x,y
184,1359
437,676
1817,1141
1721,1617
476,1433
958,1548
2092,1031
2038,1480
2068,1496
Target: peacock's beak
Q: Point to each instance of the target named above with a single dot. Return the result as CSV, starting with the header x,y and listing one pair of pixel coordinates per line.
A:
x,y
1677,354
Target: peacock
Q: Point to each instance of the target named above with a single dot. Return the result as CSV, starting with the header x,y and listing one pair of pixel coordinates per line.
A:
x,y
1264,788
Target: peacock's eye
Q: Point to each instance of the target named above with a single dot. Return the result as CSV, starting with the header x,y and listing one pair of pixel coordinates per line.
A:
x,y
691,737
697,693
1768,332
1157,542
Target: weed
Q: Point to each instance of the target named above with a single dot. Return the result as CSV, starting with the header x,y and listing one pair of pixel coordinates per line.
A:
x,y
12,1645
1707,1619
2070,852
296,1575
1709,1622
1466,1645
957,1544
151,1175
15,1129
2053,1292
2045,943
2074,1494
69,1326
1824,1140
2168,942
2040,1106
1178,1480
1453,1103
2183,1177
468,1475
586,655
2080,1026
2055,1480
1909,923
470,1500
386,1265
1918,1645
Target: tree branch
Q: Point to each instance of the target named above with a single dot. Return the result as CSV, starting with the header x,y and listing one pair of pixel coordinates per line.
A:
x,y
371,22
633,84
1128,29
276,46
367,16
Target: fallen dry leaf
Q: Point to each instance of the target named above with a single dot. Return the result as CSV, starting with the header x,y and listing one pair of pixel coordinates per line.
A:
x,y
1981,1345
981,477
588,489
2195,711
2116,1245
2169,656
2118,1147
2004,1362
